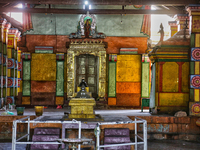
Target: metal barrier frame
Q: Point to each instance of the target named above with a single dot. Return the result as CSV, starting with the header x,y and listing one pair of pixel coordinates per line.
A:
x,y
23,120
137,120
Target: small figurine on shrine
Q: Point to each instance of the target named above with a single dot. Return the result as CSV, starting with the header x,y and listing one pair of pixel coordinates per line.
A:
x,y
161,31
87,28
82,93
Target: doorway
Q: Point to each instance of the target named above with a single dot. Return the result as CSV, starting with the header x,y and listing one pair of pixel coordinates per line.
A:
x,y
86,67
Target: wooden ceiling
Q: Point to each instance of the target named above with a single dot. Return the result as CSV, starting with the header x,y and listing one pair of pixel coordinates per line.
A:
x,y
170,7
163,6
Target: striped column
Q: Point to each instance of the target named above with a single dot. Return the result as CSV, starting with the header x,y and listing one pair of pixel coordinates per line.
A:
x,y
60,79
17,76
194,104
12,45
5,61
112,79
2,25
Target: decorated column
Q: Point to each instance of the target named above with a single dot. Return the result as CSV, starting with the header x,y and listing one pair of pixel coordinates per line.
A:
x,y
26,79
112,79
11,54
5,61
173,27
17,76
60,79
2,25
194,104
181,18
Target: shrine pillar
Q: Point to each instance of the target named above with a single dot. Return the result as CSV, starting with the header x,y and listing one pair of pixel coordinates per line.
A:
x,y
181,18
194,104
2,26
11,65
173,27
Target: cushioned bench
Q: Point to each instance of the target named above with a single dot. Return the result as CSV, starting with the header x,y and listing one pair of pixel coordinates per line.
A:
x,y
47,135
117,136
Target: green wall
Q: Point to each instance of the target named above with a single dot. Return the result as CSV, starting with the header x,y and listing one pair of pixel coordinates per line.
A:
x,y
64,24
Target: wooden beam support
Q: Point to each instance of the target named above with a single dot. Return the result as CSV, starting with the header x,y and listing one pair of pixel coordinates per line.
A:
x,y
93,11
106,2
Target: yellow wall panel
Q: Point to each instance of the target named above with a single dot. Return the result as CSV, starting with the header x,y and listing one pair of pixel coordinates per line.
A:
x,y
185,77
9,72
196,65
129,68
8,91
19,73
173,99
9,53
196,95
43,67
170,78
197,40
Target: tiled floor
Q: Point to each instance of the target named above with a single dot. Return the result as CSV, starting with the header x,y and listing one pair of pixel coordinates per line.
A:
x,y
111,115
152,145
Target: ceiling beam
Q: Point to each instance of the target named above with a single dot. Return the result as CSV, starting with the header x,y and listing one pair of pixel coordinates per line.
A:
x,y
93,11
106,2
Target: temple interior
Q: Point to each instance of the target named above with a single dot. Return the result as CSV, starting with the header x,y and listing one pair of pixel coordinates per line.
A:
x,y
96,63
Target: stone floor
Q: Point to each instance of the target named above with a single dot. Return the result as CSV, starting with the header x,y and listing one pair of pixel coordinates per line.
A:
x,y
152,145
111,115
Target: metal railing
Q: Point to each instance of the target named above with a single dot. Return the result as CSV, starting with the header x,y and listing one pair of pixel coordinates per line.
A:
x,y
137,120
98,146
35,121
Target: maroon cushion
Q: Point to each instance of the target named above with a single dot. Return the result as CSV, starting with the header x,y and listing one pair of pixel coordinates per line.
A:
x,y
47,131
44,146
39,138
116,132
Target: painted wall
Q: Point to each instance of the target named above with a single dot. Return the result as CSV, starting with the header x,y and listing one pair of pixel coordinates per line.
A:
x,y
64,24
172,87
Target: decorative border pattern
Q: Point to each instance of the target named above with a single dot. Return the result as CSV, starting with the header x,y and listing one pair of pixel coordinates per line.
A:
x,y
195,54
195,81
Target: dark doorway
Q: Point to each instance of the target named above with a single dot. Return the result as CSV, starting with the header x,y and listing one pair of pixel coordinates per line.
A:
x,y
86,67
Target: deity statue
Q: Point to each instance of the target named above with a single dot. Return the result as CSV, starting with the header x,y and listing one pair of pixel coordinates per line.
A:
x,y
87,28
82,93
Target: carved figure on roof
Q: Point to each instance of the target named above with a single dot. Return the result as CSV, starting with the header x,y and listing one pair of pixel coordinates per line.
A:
x,y
77,34
161,31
